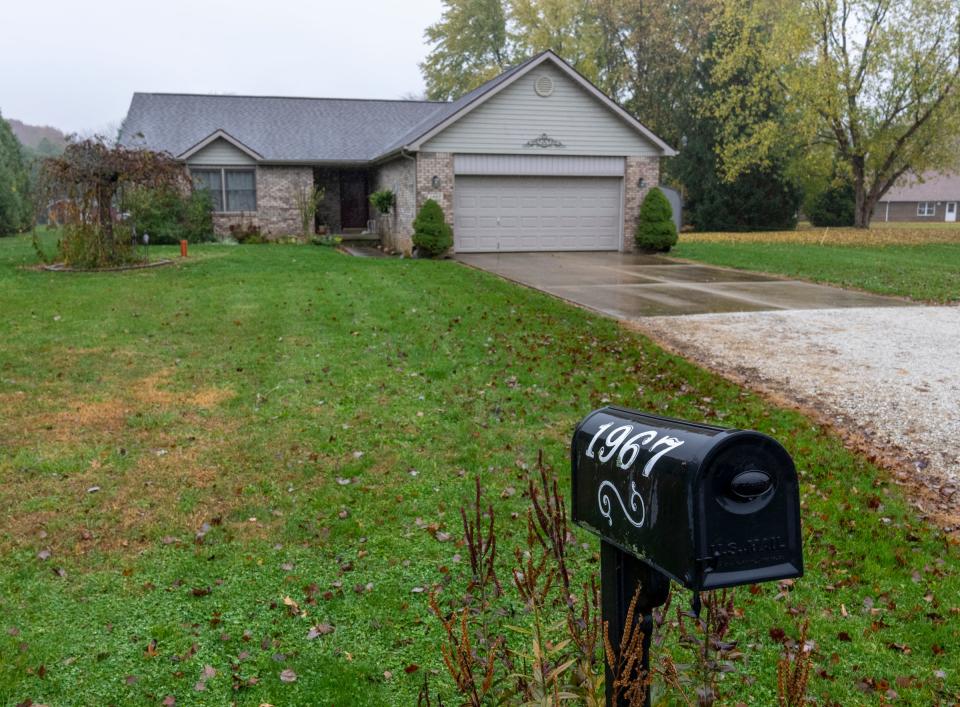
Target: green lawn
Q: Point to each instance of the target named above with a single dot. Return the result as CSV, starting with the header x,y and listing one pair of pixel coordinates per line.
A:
x,y
178,440
920,263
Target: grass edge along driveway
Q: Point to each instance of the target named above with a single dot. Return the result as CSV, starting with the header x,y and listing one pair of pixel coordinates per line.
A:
x,y
906,260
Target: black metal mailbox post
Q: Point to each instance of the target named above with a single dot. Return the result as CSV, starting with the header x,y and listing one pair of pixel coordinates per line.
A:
x,y
705,506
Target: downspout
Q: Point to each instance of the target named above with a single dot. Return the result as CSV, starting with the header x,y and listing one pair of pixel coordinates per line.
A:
x,y
886,214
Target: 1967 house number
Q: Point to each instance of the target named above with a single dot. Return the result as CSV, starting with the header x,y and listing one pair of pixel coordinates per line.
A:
x,y
620,444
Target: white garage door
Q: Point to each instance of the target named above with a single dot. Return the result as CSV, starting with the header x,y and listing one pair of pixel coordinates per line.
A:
x,y
536,213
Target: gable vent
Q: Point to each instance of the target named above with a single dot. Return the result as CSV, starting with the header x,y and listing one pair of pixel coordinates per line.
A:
x,y
543,85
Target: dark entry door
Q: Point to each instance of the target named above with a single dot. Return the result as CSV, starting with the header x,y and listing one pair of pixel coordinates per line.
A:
x,y
353,199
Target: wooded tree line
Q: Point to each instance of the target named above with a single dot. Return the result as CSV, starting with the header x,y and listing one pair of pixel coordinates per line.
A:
x,y
16,208
767,100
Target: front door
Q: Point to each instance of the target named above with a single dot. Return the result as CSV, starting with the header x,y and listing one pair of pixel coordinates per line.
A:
x,y
951,211
353,199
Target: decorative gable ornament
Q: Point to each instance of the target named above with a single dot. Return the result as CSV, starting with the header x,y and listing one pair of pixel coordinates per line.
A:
x,y
544,141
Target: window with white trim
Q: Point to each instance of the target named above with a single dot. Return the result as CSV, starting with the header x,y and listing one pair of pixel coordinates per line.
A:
x,y
926,208
231,189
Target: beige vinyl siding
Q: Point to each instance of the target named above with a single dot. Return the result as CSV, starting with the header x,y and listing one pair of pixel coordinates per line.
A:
x,y
222,154
505,122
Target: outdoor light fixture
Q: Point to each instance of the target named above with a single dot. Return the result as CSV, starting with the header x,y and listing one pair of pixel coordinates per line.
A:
x,y
435,182
641,183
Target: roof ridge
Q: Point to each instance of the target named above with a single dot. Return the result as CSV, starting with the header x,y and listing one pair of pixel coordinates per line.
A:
x,y
294,98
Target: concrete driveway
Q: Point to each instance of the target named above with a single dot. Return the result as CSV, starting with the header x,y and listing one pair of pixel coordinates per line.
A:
x,y
880,370
630,286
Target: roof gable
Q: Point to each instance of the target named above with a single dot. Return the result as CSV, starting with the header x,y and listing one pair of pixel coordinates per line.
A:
x,y
540,63
214,137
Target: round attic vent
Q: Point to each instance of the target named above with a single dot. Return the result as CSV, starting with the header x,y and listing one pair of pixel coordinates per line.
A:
x,y
543,86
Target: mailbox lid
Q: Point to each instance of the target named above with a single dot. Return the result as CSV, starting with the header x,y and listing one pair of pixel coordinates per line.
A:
x,y
642,500
748,512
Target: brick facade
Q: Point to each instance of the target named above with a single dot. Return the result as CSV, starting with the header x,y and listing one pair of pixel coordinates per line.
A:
x,y
277,189
400,177
411,180
436,164
647,168
277,213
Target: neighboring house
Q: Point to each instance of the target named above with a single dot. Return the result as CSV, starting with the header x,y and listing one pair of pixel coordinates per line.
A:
x,y
535,159
936,198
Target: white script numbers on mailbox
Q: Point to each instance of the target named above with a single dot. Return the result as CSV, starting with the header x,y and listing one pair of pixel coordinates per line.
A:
x,y
629,449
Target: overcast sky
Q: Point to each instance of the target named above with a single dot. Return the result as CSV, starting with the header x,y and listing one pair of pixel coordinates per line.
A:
x,y
74,65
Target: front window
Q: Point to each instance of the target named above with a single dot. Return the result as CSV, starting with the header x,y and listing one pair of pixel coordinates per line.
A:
x,y
230,189
926,208
212,181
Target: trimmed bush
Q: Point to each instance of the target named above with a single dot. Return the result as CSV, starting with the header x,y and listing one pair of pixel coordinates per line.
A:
x,y
656,232
431,234
169,217
834,206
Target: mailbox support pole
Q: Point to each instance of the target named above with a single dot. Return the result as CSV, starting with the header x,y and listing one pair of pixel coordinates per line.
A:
x,y
620,575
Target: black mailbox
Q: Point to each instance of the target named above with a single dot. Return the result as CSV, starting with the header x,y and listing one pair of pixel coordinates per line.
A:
x,y
707,506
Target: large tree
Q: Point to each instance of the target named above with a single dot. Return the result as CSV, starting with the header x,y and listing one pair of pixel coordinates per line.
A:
x,y
762,197
874,80
15,203
470,46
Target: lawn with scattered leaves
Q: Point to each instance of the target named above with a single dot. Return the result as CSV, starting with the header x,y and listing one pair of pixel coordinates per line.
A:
x,y
920,261
238,478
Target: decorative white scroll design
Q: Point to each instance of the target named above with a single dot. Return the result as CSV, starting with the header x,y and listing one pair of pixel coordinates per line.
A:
x,y
544,140
606,505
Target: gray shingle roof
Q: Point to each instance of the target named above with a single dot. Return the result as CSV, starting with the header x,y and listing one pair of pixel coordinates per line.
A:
x,y
936,186
279,129
300,129
286,129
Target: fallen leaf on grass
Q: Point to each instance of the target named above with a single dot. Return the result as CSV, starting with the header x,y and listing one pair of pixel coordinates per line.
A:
x,y
319,630
412,668
288,676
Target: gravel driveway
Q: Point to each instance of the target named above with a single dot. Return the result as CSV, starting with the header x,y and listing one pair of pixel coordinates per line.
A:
x,y
890,374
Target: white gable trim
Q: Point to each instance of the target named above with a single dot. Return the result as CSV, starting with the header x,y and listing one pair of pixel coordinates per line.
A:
x,y
665,149
219,134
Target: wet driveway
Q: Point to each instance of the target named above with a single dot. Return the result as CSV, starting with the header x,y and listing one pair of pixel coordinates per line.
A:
x,y
630,286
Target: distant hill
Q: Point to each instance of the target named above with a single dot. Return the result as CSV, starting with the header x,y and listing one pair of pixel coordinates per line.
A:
x,y
41,139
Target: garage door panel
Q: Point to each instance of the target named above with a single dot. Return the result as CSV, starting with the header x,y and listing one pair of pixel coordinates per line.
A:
x,y
536,213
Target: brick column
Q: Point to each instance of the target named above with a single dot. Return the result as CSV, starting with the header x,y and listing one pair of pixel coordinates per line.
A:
x,y
647,168
430,165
